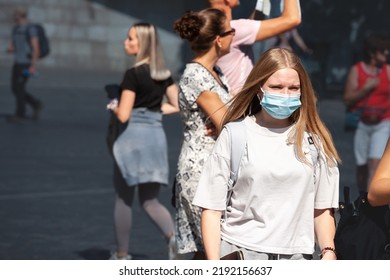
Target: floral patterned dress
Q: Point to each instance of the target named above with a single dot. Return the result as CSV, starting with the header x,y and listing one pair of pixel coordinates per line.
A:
x,y
194,152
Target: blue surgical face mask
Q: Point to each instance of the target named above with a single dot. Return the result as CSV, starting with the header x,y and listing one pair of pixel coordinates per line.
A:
x,y
278,105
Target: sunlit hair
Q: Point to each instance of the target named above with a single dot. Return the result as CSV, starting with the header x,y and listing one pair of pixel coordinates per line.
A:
x,y
201,28
305,118
150,50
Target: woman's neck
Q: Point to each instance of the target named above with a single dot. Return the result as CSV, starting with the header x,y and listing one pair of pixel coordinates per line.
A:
x,y
206,61
142,61
372,67
265,120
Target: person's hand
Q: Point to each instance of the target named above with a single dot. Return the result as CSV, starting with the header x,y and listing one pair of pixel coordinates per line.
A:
x,y
309,51
371,84
211,130
113,104
10,49
32,70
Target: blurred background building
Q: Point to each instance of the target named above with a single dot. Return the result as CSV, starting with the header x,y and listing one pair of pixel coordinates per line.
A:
x,y
89,34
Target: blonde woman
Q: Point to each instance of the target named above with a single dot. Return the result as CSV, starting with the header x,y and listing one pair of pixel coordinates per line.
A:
x,y
141,150
285,196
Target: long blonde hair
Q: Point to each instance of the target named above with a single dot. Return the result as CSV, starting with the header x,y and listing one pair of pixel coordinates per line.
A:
x,y
305,118
150,49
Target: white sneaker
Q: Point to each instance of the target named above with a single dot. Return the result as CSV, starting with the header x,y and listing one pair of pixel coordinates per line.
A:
x,y
114,256
172,248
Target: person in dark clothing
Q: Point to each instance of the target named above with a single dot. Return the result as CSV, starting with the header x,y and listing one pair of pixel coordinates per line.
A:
x,y
25,46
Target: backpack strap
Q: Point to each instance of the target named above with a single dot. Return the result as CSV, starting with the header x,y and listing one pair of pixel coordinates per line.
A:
x,y
237,133
308,138
313,149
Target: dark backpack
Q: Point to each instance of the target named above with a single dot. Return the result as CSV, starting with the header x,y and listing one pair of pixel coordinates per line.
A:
x,y
363,232
44,45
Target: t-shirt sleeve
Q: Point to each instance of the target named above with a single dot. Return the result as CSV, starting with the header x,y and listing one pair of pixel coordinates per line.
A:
x,y
169,82
327,185
211,192
246,31
129,81
32,31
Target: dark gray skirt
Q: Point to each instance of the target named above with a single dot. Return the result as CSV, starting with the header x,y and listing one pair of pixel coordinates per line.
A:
x,y
141,150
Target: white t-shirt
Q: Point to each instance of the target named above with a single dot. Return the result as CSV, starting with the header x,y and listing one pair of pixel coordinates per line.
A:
x,y
237,64
273,202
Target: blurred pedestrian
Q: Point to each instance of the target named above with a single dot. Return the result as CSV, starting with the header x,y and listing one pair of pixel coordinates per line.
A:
x,y
141,150
368,89
288,182
25,46
291,39
202,97
284,39
239,62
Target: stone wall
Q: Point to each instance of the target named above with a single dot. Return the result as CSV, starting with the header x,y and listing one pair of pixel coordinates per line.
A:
x,y
83,34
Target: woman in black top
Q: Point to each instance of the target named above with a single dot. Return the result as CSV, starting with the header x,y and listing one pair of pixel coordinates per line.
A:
x,y
141,150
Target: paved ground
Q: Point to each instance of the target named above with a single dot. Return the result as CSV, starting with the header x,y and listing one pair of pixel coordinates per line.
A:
x,y
56,195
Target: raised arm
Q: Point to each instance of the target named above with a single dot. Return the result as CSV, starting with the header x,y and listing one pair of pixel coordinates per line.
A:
x,y
289,19
379,189
213,106
300,42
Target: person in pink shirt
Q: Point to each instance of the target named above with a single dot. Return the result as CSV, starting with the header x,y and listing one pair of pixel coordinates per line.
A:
x,y
237,64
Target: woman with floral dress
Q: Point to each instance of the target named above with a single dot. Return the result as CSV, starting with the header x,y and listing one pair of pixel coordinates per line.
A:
x,y
202,97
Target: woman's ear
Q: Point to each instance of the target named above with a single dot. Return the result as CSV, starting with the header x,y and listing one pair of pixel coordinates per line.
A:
x,y
218,41
259,94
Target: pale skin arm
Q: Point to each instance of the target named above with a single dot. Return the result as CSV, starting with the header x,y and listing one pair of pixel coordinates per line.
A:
x,y
300,42
34,54
325,229
212,105
379,189
284,41
211,233
125,107
352,94
172,104
290,18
